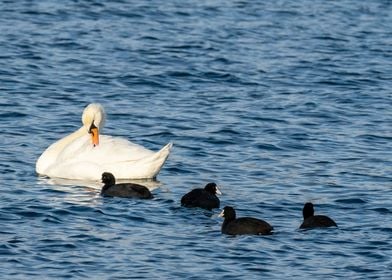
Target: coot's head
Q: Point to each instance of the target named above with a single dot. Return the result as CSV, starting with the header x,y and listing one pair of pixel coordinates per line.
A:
x,y
212,188
308,210
228,213
108,178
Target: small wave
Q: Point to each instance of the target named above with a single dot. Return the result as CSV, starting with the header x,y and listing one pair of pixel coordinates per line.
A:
x,y
351,201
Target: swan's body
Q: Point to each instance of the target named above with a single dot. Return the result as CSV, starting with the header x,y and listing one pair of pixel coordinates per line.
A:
x,y
85,157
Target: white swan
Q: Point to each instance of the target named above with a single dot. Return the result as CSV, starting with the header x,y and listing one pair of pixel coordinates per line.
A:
x,y
85,154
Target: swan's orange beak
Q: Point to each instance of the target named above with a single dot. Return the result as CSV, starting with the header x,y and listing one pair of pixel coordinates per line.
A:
x,y
94,134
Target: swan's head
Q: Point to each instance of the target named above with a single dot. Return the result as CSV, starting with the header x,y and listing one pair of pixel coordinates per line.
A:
x,y
93,119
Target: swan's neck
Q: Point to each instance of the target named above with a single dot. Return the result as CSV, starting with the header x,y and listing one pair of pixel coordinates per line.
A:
x,y
60,144
51,153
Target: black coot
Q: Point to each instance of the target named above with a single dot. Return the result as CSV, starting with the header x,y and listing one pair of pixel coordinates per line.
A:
x,y
110,188
204,198
315,221
244,225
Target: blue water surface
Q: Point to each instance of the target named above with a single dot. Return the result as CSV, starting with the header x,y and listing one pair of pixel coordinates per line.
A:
x,y
279,102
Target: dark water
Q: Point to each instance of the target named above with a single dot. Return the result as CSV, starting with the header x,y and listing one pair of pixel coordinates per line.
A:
x,y
279,102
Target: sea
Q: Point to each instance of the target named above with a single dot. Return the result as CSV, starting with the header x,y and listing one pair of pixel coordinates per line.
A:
x,y
278,102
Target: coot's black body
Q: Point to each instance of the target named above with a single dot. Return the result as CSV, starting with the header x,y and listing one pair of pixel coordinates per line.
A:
x,y
244,225
204,198
315,221
128,190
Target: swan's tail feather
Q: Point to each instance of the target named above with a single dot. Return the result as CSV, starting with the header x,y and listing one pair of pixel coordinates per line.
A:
x,y
159,159
144,168
162,153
